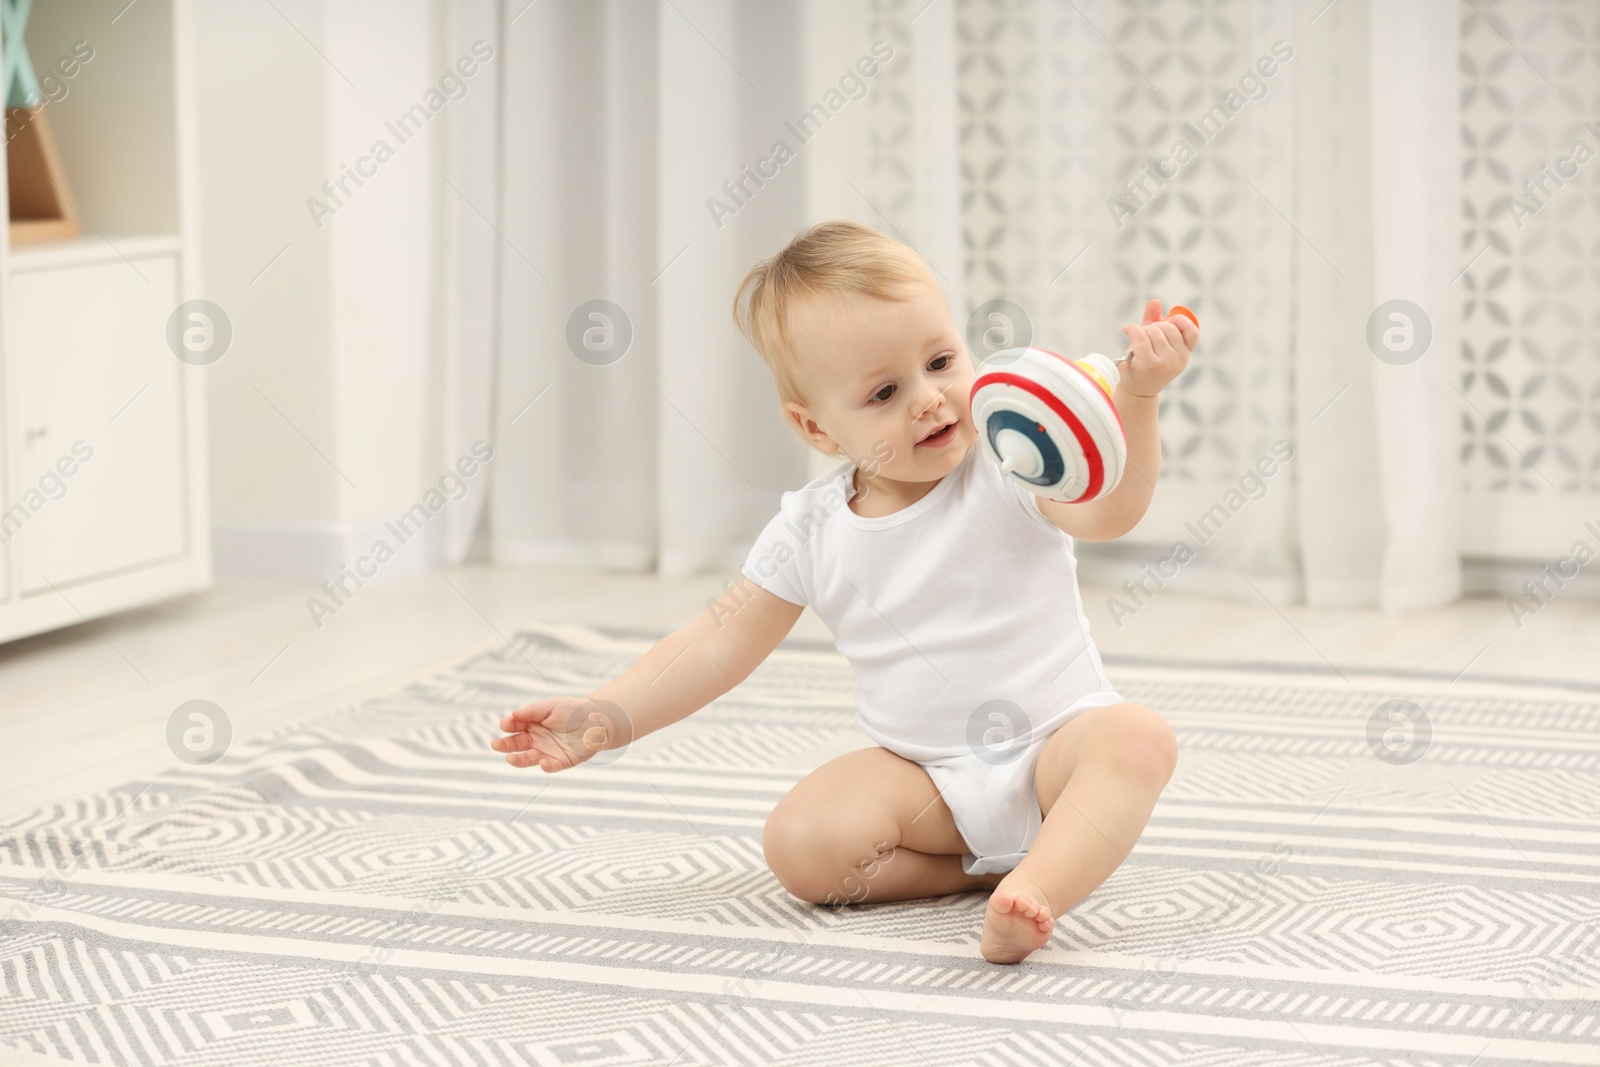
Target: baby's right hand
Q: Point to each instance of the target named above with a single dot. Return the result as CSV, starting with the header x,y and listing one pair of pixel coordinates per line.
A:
x,y
560,732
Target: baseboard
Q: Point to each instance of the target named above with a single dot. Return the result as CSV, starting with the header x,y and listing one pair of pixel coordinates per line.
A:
x,y
1506,577
313,552
1113,563
627,556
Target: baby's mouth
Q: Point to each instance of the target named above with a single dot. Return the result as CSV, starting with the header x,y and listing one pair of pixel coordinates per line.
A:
x,y
940,435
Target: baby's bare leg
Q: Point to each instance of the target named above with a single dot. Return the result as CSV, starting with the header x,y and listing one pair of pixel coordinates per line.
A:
x,y
1097,781
867,827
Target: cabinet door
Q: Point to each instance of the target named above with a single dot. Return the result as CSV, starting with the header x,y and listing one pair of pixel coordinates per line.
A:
x,y
98,428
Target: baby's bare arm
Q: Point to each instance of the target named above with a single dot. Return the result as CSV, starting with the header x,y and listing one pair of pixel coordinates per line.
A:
x,y
1120,510
692,666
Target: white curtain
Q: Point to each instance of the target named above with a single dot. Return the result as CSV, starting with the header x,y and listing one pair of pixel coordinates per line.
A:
x,y
639,433
1326,188
469,205
991,141
625,124
1380,178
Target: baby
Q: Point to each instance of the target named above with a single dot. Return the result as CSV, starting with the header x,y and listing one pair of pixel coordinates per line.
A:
x,y
1003,758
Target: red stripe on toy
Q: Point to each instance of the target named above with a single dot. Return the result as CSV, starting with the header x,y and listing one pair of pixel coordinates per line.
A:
x,y
1091,452
1073,364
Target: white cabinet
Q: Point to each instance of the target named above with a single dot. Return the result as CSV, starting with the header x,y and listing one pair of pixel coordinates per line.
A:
x,y
98,402
103,499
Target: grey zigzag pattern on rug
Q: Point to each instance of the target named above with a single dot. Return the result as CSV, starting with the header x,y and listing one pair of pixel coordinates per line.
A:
x,y
377,887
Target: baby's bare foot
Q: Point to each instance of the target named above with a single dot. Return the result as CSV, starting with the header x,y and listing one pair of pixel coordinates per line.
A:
x,y
1016,922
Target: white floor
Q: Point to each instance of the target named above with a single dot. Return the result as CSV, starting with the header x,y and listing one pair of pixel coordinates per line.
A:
x,y
86,708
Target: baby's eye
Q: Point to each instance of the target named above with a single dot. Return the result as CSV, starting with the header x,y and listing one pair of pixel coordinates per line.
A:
x,y
884,393
949,359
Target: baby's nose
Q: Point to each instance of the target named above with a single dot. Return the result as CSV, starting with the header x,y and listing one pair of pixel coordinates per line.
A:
x,y
935,402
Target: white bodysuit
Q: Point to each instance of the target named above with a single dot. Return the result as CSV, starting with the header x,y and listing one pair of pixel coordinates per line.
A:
x,y
961,617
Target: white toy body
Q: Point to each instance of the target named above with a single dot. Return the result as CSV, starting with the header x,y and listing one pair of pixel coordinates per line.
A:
x,y
1050,423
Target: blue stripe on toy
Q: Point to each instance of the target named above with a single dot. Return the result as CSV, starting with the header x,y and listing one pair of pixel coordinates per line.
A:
x,y
1007,419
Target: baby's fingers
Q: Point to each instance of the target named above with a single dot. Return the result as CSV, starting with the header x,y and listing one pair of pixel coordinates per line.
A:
x,y
1187,329
1168,340
524,759
520,719
514,742
536,756
1139,341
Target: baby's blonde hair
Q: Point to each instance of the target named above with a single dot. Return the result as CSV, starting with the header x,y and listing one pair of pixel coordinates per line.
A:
x,y
837,261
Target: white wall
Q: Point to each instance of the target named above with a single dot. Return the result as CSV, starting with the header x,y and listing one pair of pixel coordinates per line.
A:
x,y
339,332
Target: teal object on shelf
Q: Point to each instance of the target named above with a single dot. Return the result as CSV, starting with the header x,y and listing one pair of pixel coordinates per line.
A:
x,y
22,88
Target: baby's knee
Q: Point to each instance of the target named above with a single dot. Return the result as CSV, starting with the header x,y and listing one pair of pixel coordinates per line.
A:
x,y
1139,742
789,841
812,851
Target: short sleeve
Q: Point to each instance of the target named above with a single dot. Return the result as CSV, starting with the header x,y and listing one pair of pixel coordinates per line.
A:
x,y
775,564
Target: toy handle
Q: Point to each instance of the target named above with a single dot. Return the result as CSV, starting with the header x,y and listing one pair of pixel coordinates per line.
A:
x,y
1177,309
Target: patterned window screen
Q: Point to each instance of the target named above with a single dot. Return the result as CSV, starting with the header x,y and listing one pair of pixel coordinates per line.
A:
x,y
1531,319
1059,103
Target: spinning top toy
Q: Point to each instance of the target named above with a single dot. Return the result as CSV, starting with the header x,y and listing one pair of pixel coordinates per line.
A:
x,y
1050,423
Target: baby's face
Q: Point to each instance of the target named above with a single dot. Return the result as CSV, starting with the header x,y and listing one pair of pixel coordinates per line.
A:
x,y
882,375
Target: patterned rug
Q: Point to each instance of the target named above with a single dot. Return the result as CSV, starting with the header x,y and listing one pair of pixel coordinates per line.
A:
x,y
377,887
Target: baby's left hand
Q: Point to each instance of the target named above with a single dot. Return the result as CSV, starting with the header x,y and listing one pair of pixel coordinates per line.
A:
x,y
1160,350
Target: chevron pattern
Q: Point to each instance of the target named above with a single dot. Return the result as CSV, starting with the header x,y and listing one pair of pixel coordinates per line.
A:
x,y
378,887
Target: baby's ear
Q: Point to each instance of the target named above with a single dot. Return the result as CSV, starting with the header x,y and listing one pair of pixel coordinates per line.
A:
x,y
802,421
